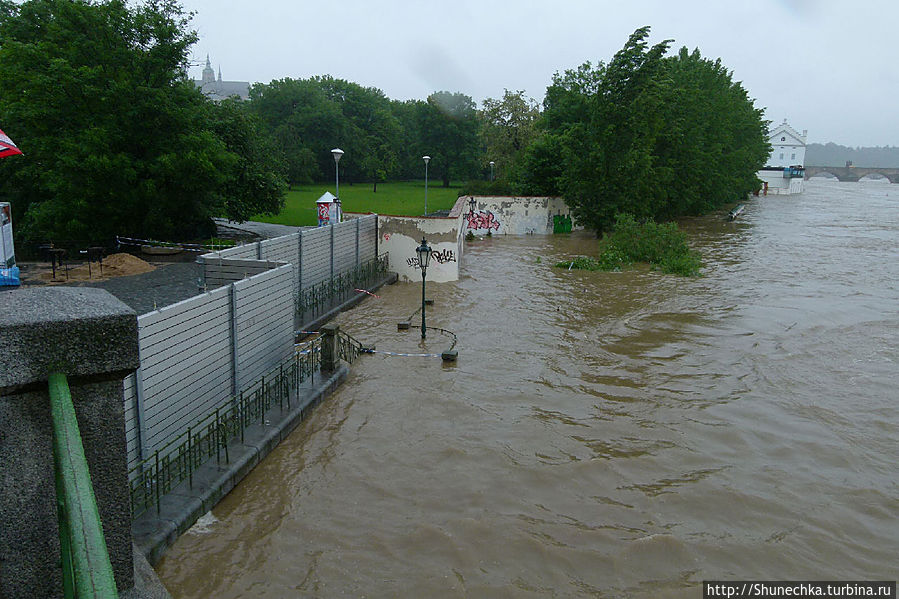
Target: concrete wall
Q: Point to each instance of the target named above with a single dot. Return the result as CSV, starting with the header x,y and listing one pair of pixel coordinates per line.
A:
x,y
91,337
401,235
512,215
778,185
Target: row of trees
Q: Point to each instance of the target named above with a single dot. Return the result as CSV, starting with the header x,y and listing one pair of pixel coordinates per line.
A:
x,y
648,134
119,141
116,139
383,139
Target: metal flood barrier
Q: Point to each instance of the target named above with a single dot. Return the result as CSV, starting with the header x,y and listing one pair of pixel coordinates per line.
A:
x,y
210,436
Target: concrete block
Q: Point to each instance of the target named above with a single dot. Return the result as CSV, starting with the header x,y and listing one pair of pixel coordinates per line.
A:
x,y
91,337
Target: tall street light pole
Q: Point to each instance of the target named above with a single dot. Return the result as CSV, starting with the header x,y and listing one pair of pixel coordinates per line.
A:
x,y
427,159
424,257
337,153
491,169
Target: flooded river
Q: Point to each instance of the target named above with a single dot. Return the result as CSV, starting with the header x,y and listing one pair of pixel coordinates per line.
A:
x,y
602,434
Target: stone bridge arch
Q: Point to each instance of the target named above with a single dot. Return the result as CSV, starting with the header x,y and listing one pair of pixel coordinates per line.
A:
x,y
852,173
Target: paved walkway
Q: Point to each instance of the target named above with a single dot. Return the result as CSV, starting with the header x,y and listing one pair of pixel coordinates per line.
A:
x,y
166,285
264,230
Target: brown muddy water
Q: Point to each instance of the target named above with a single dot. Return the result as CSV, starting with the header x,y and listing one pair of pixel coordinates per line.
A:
x,y
602,434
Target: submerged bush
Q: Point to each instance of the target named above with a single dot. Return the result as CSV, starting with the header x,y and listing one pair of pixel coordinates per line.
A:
x,y
662,245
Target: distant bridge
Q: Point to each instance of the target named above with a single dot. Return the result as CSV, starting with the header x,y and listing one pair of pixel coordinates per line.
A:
x,y
852,173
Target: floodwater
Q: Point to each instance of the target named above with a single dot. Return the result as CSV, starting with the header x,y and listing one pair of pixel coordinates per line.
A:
x,y
602,434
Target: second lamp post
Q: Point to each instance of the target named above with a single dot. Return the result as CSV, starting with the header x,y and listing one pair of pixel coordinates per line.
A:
x,y
427,159
424,257
337,153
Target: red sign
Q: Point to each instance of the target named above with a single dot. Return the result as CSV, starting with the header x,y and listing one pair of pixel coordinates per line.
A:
x,y
7,147
324,211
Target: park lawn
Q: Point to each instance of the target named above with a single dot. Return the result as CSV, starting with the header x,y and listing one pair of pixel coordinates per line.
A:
x,y
405,198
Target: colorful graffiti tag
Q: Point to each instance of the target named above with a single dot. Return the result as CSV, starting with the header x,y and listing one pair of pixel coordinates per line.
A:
x,y
441,257
482,220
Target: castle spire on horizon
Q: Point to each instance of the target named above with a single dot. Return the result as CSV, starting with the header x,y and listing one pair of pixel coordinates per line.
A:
x,y
208,73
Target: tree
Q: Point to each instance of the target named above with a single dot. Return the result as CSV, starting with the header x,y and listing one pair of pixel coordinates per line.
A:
x,y
257,176
309,117
448,127
713,133
652,136
508,126
115,136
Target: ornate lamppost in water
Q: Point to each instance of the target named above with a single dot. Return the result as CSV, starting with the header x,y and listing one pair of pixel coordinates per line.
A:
x,y
424,257
427,159
337,153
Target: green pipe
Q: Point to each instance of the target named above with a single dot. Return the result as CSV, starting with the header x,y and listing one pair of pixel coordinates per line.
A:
x,y
90,558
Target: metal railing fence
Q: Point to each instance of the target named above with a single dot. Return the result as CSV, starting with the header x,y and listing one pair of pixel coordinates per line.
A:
x,y
321,297
208,438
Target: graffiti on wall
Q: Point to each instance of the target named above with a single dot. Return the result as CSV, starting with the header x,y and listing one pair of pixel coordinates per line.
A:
x,y
482,220
441,257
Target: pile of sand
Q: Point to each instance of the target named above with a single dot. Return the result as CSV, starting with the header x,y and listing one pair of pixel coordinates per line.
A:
x,y
116,265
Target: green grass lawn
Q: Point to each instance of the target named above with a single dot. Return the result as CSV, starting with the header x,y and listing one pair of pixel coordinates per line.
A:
x,y
400,197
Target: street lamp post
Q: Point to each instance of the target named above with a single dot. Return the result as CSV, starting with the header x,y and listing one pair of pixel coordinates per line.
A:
x,y
491,170
337,153
427,159
424,257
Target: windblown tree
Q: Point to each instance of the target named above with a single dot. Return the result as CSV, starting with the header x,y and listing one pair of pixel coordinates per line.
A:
x,y
652,136
117,140
508,126
448,126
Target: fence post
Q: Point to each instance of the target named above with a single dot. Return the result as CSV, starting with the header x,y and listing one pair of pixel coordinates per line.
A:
x,y
357,242
140,415
91,337
299,263
232,317
377,234
330,359
259,250
332,249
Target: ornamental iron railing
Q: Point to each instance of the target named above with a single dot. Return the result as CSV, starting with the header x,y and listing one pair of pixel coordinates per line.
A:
x,y
330,293
210,437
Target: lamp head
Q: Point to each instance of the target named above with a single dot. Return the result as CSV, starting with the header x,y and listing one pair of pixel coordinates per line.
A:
x,y
336,153
427,159
424,255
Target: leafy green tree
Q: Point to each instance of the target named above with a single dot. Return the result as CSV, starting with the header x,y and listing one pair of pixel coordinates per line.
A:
x,y
448,126
713,134
115,136
309,117
257,176
609,119
508,126
652,136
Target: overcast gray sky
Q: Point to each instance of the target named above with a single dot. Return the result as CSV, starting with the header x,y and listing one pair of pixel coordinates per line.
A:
x,y
826,66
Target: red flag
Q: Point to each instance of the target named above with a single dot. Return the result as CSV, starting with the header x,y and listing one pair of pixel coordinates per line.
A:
x,y
7,147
